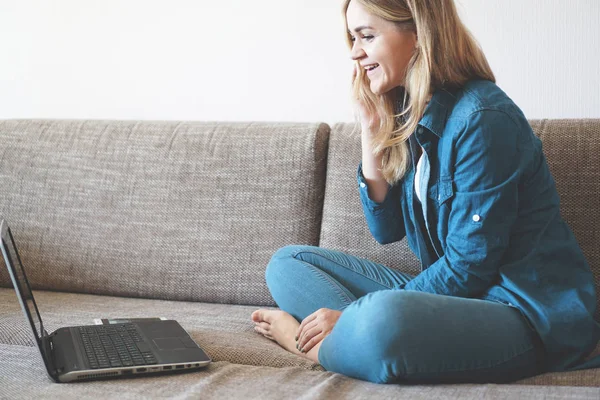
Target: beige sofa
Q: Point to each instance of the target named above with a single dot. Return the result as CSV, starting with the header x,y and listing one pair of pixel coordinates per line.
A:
x,y
179,219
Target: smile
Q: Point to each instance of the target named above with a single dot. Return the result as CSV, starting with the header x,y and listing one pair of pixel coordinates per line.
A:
x,y
371,68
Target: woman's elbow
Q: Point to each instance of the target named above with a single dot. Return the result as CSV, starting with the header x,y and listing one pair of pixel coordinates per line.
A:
x,y
386,236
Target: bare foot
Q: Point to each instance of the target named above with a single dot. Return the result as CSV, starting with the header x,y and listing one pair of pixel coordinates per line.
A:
x,y
281,327
276,325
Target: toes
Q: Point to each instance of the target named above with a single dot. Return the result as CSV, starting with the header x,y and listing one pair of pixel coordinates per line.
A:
x,y
263,325
263,332
261,315
257,316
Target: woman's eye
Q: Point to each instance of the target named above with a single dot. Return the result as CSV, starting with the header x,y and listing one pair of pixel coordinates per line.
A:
x,y
368,38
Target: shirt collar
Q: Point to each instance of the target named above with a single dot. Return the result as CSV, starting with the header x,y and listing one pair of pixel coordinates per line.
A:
x,y
437,111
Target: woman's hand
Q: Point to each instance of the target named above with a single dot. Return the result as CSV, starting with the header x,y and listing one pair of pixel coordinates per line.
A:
x,y
315,327
368,122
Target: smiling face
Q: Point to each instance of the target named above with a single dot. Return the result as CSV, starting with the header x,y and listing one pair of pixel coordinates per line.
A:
x,y
380,47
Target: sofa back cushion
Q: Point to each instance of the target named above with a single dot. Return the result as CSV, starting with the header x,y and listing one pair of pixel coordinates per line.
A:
x,y
344,227
572,148
171,210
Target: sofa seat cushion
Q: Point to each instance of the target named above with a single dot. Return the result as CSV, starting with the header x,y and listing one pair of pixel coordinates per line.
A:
x,y
224,331
22,376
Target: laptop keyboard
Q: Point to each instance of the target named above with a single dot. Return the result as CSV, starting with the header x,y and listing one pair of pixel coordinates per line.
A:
x,y
111,346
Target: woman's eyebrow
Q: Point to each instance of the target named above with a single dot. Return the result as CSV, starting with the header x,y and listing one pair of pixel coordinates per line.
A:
x,y
360,28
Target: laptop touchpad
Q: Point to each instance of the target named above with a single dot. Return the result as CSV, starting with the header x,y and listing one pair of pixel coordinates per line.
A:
x,y
170,343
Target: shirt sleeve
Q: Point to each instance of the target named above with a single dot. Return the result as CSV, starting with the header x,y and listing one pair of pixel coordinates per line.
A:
x,y
488,160
383,219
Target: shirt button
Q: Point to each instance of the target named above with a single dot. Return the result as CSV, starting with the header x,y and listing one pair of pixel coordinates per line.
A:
x,y
476,218
362,185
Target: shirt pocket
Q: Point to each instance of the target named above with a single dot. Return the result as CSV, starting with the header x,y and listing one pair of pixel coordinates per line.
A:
x,y
441,191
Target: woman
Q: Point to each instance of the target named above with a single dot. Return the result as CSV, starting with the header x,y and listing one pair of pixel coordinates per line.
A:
x,y
450,162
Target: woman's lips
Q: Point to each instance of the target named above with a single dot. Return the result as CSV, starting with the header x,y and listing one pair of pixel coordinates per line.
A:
x,y
371,71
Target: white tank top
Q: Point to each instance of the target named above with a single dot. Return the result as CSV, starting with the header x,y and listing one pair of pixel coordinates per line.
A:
x,y
418,177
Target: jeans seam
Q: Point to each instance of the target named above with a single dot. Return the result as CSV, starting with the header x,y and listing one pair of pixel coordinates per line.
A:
x,y
342,265
337,287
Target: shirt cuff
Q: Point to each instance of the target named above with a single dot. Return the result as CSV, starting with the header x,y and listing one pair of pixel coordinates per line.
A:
x,y
363,189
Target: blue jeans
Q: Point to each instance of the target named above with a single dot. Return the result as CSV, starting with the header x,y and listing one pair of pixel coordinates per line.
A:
x,y
389,335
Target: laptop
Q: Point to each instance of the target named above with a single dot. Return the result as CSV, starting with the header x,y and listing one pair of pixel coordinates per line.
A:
x,y
79,353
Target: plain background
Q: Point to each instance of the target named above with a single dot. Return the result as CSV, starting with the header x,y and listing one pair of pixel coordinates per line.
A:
x,y
263,60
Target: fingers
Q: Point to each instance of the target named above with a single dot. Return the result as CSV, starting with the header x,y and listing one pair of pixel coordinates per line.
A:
x,y
309,332
312,342
306,320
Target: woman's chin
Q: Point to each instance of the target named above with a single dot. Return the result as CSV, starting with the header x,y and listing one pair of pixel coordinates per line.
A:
x,y
375,88
378,90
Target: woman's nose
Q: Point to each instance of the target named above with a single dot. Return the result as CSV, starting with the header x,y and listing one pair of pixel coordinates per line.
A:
x,y
357,52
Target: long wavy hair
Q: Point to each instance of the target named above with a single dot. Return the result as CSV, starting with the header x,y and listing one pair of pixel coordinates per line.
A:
x,y
447,56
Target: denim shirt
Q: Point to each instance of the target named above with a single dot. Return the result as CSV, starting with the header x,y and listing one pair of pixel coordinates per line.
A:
x,y
489,223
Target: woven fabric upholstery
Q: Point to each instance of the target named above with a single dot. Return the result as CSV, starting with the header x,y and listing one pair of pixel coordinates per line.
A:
x,y
23,377
571,148
224,331
172,210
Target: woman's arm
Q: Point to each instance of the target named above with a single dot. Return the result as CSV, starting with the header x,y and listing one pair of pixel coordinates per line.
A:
x,y
377,186
380,201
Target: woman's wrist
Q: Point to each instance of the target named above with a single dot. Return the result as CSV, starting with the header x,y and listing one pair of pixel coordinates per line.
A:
x,y
367,131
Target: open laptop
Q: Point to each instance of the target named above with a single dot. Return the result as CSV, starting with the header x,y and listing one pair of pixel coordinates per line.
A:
x,y
102,351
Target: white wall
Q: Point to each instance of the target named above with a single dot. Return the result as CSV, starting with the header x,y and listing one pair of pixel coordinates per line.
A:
x,y
271,60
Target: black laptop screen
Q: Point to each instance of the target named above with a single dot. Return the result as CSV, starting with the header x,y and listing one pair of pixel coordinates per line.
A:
x,y
18,274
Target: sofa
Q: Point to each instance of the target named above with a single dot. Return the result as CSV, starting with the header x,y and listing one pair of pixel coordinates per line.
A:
x,y
179,219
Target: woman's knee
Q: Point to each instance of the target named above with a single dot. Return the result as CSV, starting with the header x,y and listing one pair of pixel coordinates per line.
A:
x,y
390,319
280,261
379,330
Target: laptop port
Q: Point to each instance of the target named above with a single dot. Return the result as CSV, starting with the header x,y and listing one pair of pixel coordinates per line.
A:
x,y
141,370
179,366
167,367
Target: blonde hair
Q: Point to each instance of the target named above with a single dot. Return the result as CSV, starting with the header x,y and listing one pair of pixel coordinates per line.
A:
x,y
447,56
